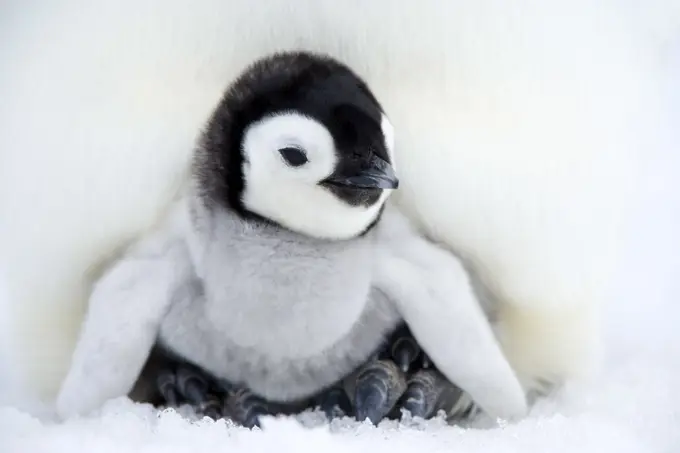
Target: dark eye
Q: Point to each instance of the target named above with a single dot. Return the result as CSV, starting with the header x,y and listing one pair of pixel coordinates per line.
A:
x,y
294,156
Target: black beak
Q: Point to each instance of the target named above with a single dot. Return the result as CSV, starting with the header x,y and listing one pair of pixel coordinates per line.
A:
x,y
378,174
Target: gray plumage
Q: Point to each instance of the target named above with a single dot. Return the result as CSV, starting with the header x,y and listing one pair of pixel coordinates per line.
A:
x,y
283,313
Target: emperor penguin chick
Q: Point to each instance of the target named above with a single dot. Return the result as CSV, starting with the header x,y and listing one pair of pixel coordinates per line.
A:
x,y
274,270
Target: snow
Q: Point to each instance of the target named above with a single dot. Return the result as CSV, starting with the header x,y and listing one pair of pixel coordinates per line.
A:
x,y
632,407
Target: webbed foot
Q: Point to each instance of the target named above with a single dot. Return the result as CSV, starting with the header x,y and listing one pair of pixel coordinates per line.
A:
x,y
429,392
187,384
377,388
398,377
403,349
245,408
335,403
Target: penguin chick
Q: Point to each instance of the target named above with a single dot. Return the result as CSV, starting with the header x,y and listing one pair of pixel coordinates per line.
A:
x,y
266,262
273,270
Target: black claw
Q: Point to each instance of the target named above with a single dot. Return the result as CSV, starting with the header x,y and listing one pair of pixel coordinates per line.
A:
x,y
194,386
429,392
378,387
167,387
370,405
425,362
405,351
246,408
335,403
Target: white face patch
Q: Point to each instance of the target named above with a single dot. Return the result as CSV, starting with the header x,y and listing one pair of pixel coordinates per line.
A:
x,y
290,195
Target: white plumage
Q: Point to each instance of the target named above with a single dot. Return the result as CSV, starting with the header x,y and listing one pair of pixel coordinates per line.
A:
x,y
527,115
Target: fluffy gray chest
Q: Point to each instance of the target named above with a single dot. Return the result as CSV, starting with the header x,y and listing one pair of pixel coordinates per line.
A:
x,y
283,314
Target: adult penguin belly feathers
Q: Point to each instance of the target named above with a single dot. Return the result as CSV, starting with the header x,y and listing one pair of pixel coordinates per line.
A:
x,y
526,115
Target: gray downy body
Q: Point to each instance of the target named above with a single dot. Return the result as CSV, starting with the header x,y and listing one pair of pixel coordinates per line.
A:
x,y
283,313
